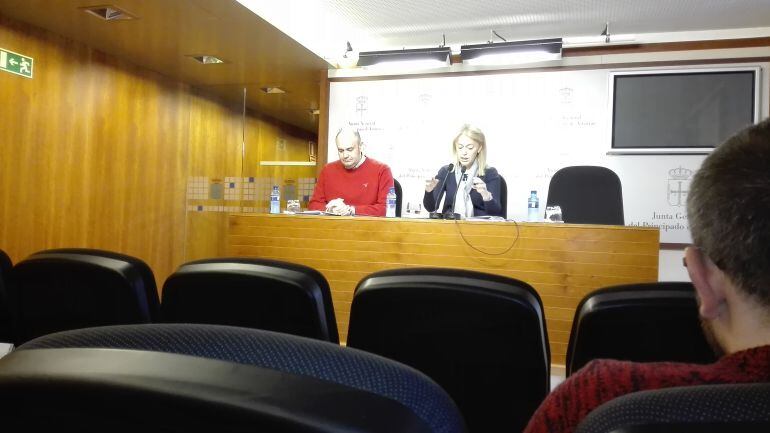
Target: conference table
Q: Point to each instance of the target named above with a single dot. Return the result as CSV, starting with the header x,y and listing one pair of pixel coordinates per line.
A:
x,y
562,262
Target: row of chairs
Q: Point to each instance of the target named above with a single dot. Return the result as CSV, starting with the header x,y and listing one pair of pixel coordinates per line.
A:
x,y
586,194
481,337
196,378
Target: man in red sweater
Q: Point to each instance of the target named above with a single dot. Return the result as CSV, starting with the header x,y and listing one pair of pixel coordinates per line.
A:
x,y
354,185
729,213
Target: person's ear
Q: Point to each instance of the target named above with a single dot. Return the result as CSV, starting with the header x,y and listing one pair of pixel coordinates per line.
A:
x,y
703,274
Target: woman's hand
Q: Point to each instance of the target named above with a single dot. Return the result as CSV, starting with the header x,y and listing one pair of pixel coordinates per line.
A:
x,y
481,188
430,184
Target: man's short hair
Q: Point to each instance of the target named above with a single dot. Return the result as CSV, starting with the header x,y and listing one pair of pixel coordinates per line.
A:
x,y
346,130
729,209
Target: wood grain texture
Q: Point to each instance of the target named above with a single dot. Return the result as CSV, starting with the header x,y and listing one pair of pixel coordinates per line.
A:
x,y
167,32
563,262
93,153
323,121
225,143
96,153
216,147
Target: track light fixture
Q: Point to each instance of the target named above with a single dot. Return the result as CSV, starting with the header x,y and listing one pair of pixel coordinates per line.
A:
x,y
503,53
420,58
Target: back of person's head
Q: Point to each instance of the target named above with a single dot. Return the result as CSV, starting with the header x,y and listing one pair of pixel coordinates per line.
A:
x,y
729,210
476,135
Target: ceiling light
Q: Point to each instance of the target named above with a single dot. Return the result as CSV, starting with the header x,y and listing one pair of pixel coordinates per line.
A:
x,y
272,90
505,53
421,58
108,13
349,59
208,59
599,40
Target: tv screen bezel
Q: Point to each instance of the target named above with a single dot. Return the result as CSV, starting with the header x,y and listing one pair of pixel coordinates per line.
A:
x,y
757,97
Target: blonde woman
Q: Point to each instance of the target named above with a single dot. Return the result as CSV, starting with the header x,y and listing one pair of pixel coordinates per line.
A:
x,y
478,184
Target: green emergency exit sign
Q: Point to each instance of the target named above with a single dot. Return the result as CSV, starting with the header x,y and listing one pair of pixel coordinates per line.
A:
x,y
16,63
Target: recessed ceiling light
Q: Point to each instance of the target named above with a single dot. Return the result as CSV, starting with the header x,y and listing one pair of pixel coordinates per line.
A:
x,y
273,90
207,59
108,12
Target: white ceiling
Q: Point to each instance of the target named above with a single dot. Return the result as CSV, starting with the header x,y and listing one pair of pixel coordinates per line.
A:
x,y
323,26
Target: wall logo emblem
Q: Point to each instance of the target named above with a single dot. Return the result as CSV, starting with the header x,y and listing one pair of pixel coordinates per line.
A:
x,y
362,105
678,186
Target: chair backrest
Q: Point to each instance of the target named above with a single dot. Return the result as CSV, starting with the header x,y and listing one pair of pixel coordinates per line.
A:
x,y
727,408
504,196
587,195
253,293
638,322
482,337
6,334
56,290
399,195
174,377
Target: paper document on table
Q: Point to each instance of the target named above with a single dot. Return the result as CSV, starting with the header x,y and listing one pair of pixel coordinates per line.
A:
x,y
485,218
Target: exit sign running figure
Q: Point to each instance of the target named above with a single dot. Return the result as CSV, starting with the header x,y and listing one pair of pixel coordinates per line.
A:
x,y
16,63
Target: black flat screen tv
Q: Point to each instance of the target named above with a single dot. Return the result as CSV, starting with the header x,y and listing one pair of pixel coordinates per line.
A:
x,y
666,111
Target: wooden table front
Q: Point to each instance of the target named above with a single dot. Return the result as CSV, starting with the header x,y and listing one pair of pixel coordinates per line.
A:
x,y
563,262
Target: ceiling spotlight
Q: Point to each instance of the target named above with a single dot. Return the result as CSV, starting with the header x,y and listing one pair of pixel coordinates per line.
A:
x,y
606,33
272,90
349,59
108,13
505,53
207,59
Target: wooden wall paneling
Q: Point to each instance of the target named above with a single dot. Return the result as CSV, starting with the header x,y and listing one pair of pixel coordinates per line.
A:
x,y
269,140
93,153
323,122
562,262
97,152
216,136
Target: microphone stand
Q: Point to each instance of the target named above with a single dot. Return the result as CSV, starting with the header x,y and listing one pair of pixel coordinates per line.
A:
x,y
450,214
438,215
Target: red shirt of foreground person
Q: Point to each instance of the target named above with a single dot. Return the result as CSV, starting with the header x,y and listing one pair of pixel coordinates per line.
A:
x,y
354,185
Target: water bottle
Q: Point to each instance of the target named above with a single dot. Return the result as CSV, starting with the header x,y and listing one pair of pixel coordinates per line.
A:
x,y
390,203
275,200
533,207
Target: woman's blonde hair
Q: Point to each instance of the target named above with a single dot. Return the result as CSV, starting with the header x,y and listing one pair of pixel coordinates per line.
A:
x,y
477,136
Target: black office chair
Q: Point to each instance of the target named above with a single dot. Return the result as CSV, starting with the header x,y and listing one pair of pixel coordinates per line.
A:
x,y
587,195
481,337
202,378
504,196
6,333
56,290
253,293
638,322
399,196
731,408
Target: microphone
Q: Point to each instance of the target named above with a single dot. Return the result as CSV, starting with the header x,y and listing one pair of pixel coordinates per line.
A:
x,y
450,214
435,215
